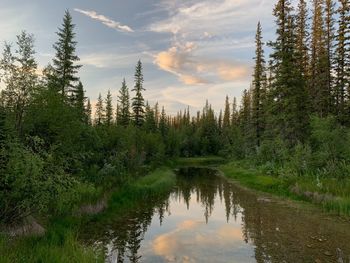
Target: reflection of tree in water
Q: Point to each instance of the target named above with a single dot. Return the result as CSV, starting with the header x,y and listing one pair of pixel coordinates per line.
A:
x,y
279,233
203,182
128,231
282,233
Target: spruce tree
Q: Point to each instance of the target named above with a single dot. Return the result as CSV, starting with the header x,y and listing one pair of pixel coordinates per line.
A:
x,y
330,35
259,83
99,111
138,101
79,101
319,84
342,62
227,114
124,105
109,109
150,121
64,62
288,115
302,37
88,112
163,127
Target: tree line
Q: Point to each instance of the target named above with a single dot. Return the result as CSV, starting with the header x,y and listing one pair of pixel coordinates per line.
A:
x,y
293,119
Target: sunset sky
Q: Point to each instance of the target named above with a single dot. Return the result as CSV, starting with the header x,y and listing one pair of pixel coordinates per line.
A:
x,y
191,50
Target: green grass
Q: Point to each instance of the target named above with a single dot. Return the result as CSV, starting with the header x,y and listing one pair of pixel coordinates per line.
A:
x,y
158,183
331,194
60,244
198,161
55,247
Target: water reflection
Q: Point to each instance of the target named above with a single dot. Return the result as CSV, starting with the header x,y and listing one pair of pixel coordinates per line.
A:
x,y
207,219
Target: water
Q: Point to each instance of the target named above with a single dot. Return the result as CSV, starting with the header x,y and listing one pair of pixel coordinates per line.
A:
x,y
207,219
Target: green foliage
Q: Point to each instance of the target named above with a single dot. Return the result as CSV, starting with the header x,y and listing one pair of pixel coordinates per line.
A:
x,y
65,69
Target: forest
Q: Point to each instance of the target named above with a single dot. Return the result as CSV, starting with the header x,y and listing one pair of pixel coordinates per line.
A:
x,y
292,124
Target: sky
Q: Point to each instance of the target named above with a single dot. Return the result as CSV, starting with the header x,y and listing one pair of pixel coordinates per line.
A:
x,y
191,50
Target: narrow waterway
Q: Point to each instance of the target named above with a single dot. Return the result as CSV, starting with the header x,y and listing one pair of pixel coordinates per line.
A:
x,y
207,219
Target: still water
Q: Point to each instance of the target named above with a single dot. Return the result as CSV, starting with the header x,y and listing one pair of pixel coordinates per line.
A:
x,y
207,219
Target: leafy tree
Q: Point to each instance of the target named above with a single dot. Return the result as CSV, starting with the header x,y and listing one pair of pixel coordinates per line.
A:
x,y
64,62
18,71
138,103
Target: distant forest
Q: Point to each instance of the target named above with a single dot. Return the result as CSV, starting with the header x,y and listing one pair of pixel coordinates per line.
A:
x,y
294,119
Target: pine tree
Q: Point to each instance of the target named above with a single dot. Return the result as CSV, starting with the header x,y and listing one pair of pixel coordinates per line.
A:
x,y
156,113
342,61
79,101
288,115
138,101
163,127
123,105
330,35
109,109
227,114
302,37
88,112
150,121
220,120
65,59
259,83
235,113
100,111
319,89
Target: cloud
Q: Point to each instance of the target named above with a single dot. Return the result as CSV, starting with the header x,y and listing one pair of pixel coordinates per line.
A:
x,y
105,20
193,70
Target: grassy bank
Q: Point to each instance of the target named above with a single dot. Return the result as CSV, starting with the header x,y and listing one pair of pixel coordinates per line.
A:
x,y
198,161
331,194
60,243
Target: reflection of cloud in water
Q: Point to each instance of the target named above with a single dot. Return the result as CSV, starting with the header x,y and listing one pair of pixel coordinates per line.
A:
x,y
193,239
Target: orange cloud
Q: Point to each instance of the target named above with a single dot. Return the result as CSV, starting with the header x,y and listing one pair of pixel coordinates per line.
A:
x,y
193,70
229,72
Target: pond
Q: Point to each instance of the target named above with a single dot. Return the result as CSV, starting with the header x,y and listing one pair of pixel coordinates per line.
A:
x,y
208,219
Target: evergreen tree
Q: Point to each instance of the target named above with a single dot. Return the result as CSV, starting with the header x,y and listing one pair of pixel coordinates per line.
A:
x,y
319,89
150,121
330,35
138,101
65,59
109,109
163,127
88,112
79,101
123,105
220,120
288,115
227,114
259,83
99,111
235,113
342,61
302,37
